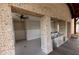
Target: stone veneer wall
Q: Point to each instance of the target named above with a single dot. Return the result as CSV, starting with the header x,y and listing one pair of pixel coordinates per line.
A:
x,y
59,10
6,31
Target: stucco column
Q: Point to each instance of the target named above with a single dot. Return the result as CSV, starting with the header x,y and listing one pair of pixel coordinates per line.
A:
x,y
6,31
46,41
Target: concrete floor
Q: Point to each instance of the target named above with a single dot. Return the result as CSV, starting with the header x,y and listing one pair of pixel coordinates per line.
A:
x,y
32,47
71,47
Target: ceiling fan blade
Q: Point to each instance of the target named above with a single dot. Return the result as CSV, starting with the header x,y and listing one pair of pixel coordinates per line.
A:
x,y
24,17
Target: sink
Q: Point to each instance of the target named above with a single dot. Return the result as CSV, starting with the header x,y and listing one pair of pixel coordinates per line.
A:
x,y
55,34
57,38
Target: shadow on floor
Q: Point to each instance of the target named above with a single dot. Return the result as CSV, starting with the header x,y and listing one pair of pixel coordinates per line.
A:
x,y
71,47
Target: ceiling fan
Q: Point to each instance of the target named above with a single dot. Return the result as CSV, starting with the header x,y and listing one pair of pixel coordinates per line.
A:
x,y
23,17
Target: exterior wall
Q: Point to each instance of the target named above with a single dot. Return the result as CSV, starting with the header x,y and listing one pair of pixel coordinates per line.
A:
x,y
6,31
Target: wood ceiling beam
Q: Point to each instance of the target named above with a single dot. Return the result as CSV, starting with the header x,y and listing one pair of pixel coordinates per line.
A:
x,y
72,10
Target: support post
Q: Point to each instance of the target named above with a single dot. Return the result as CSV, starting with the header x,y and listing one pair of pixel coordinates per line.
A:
x,y
74,25
46,41
6,31
66,30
